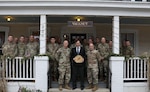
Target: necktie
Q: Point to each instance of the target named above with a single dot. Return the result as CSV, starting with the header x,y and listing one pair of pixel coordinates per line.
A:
x,y
78,50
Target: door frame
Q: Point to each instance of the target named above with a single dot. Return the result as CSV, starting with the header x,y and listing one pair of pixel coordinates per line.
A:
x,y
6,30
89,31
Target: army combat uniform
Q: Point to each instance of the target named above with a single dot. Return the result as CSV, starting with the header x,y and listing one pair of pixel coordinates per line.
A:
x,y
51,51
104,52
129,51
9,49
63,56
21,49
32,49
93,57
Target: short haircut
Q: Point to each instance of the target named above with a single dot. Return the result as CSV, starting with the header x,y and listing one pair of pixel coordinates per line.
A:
x,y
77,41
52,37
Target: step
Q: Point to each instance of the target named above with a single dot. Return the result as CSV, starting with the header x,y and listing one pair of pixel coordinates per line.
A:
x,y
100,84
79,90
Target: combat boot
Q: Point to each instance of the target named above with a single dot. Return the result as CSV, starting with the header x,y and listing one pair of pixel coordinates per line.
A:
x,y
95,87
60,87
89,86
67,87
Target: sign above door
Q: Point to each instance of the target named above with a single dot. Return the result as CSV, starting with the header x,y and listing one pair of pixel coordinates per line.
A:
x,y
80,23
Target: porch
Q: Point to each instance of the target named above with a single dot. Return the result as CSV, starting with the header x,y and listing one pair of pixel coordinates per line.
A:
x,y
127,77
131,75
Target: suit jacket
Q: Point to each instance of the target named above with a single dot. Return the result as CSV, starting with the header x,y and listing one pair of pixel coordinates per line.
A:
x,y
74,53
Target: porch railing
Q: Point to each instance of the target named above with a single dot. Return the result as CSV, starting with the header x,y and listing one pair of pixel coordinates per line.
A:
x,y
19,69
135,69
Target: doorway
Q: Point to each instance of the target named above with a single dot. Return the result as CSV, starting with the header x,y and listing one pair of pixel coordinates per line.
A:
x,y
74,36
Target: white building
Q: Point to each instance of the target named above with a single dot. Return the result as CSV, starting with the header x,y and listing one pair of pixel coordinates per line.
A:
x,y
114,19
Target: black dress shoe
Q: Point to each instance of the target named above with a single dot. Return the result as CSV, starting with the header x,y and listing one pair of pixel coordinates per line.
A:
x,y
74,88
82,88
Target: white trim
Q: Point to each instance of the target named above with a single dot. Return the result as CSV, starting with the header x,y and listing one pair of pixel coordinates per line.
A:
x,y
14,86
65,7
136,84
136,38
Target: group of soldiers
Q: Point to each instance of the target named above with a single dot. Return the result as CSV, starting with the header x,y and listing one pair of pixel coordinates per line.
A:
x,y
60,64
22,48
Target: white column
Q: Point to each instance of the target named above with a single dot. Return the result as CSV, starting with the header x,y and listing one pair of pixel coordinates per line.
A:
x,y
116,67
116,35
43,33
41,69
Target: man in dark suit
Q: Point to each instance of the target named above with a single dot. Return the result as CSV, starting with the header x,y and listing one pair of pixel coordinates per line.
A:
x,y
78,68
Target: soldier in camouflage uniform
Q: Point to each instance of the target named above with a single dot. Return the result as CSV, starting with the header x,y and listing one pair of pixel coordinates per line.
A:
x,y
123,48
93,57
52,47
103,48
9,49
32,47
63,56
90,40
21,47
129,52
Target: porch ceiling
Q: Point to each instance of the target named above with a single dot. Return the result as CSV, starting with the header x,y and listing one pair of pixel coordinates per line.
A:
x,y
64,19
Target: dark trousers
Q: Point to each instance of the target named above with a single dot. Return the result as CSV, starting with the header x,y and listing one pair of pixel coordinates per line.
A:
x,y
77,71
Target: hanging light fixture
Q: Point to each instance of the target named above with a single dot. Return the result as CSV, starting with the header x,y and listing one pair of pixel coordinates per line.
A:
x,y
78,19
8,19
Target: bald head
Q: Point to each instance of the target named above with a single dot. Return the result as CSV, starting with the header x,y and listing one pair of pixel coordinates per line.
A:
x,y
91,46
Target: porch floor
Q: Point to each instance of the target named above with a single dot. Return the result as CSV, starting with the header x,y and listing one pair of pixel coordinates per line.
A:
x,y
102,88
79,90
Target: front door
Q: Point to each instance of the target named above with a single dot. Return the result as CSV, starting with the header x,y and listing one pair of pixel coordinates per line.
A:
x,y
74,36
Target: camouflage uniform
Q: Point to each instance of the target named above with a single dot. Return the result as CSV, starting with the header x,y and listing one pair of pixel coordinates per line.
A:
x,y
129,51
86,48
122,50
21,49
63,56
104,52
96,46
51,51
9,49
92,68
32,49
72,45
